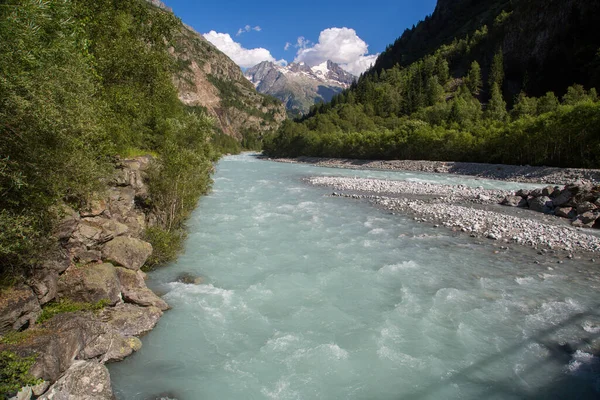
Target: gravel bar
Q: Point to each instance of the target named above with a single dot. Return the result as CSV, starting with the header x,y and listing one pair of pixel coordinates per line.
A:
x,y
515,173
455,207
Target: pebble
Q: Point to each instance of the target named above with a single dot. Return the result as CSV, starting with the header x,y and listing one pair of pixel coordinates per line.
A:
x,y
451,210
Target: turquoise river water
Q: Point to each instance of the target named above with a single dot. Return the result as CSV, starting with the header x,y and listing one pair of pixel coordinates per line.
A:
x,y
308,296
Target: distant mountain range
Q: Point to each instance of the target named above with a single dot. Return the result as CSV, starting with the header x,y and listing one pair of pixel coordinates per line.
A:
x,y
298,85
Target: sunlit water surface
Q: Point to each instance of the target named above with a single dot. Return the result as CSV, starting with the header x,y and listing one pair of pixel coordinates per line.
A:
x,y
314,297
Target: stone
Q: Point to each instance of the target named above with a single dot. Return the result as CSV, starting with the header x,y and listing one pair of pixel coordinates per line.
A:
x,y
121,201
86,234
134,289
44,283
85,380
24,394
83,256
540,204
563,198
547,191
40,388
90,284
127,252
190,279
565,212
585,207
514,201
130,319
586,220
523,193
536,193
67,225
19,309
110,227
95,208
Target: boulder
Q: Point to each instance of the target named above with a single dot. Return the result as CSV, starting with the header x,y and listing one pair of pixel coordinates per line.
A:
x,y
90,284
127,252
540,204
85,380
134,289
44,283
190,279
563,198
67,225
565,212
514,201
131,320
547,191
19,308
121,201
585,206
586,220
86,234
95,208
536,193
523,193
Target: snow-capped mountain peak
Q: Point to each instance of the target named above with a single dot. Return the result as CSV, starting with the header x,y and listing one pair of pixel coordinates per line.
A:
x,y
298,84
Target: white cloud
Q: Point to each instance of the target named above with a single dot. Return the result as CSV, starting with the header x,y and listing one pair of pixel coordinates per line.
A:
x,y
248,28
287,46
245,58
340,45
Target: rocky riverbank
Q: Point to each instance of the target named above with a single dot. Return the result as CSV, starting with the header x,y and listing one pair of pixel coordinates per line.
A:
x,y
474,211
514,173
94,268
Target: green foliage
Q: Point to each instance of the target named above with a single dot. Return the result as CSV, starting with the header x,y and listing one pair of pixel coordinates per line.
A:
x,y
53,308
80,82
474,81
496,108
497,71
166,245
14,373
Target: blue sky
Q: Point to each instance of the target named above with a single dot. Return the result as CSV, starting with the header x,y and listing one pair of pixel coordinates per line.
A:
x,y
254,31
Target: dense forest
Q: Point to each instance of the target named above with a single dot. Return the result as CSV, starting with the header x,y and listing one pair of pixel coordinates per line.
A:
x,y
465,100
83,82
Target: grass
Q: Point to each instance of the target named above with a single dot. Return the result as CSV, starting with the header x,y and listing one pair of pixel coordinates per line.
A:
x,y
65,305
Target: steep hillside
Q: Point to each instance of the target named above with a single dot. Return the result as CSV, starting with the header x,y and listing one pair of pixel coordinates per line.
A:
x,y
208,78
298,85
547,45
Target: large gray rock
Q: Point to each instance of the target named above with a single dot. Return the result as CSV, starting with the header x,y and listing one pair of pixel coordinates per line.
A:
x,y
90,283
565,212
86,235
563,198
514,201
134,289
585,207
540,204
44,283
586,220
85,380
127,252
19,308
131,320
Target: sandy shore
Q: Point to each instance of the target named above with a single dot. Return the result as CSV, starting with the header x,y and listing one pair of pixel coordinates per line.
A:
x,y
515,173
473,211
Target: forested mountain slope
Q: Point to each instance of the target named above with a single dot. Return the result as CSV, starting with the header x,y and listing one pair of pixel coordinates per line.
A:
x,y
547,45
488,81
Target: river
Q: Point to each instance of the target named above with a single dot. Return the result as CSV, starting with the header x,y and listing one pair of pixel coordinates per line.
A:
x,y
307,296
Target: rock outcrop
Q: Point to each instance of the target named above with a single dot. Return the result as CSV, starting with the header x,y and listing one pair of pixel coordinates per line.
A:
x,y
97,261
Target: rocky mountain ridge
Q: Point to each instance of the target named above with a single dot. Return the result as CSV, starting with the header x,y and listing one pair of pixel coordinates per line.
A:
x,y
207,78
299,85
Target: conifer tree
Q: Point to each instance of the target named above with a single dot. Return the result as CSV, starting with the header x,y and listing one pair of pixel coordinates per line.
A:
x,y
496,109
497,70
474,82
